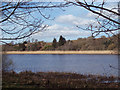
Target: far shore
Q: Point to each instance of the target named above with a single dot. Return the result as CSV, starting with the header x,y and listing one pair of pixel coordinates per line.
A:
x,y
61,52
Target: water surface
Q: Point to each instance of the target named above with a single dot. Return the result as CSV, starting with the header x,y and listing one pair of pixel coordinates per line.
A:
x,y
85,64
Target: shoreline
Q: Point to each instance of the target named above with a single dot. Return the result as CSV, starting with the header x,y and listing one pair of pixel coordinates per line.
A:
x,y
62,52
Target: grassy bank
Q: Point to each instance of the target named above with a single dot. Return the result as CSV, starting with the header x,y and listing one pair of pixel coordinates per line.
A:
x,y
29,79
60,52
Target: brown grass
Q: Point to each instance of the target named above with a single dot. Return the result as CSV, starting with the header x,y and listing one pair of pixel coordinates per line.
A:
x,y
60,52
29,79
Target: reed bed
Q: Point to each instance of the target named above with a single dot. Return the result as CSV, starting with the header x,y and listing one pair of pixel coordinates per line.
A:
x,y
60,52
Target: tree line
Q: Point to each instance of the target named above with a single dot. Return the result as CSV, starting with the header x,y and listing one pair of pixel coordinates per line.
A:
x,y
90,43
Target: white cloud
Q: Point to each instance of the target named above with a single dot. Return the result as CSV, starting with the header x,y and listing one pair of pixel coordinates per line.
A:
x,y
66,26
57,27
57,30
73,20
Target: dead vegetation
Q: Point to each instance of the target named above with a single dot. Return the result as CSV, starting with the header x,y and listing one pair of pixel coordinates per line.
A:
x,y
29,79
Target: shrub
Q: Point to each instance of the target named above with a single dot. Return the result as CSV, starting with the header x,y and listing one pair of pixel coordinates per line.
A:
x,y
7,64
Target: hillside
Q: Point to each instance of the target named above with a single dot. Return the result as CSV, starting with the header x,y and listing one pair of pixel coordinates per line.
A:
x,y
89,43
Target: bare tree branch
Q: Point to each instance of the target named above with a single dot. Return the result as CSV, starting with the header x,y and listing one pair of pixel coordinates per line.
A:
x,y
106,21
18,19
19,15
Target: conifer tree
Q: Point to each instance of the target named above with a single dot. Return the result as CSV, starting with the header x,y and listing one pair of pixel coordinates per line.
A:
x,y
54,44
62,41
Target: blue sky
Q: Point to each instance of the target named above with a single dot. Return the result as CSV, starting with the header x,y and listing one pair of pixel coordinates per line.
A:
x,y
64,23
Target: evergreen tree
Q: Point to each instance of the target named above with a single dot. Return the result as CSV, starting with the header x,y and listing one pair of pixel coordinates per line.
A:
x,y
54,44
22,47
62,41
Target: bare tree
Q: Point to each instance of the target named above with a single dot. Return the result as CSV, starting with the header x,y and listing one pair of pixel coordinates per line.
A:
x,y
7,64
106,19
18,19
